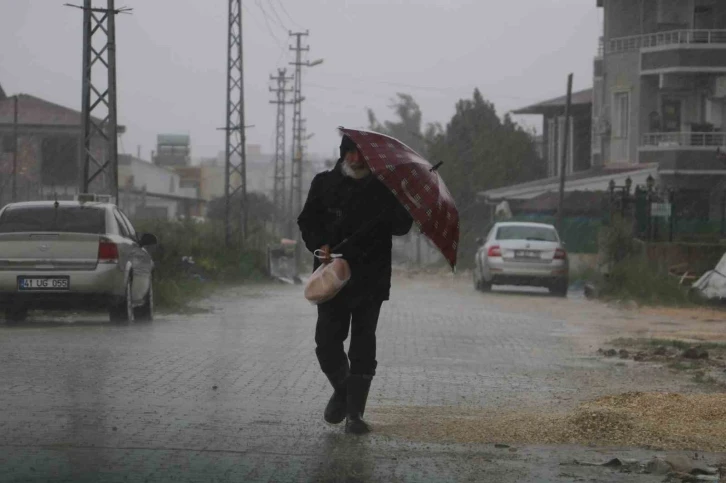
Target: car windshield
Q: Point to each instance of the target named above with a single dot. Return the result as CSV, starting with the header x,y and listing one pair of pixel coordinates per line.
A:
x,y
523,232
63,219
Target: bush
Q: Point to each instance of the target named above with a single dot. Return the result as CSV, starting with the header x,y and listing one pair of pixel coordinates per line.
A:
x,y
617,241
174,284
635,278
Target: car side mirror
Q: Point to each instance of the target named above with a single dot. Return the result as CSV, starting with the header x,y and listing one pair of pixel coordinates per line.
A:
x,y
147,240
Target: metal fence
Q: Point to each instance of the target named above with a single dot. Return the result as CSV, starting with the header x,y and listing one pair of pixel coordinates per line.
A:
x,y
580,234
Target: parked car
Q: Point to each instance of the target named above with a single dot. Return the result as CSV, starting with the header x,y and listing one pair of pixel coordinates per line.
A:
x,y
515,253
73,255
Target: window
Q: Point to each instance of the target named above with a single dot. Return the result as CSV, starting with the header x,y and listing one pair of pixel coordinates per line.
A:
x,y
524,232
673,12
64,219
59,156
128,223
621,114
123,229
129,226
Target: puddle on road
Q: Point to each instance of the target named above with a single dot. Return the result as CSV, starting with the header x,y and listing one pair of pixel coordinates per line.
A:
x,y
652,420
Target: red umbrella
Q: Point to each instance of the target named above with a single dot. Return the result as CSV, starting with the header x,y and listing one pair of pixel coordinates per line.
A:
x,y
417,186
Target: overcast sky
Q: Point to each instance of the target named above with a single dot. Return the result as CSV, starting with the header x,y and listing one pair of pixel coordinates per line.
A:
x,y
171,59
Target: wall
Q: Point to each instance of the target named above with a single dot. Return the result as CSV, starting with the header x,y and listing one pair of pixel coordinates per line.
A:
x,y
622,74
683,159
155,178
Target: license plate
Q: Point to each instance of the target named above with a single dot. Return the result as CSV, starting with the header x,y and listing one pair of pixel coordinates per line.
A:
x,y
40,284
526,254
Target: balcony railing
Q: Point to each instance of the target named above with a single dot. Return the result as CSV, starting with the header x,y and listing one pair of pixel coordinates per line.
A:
x,y
672,37
676,140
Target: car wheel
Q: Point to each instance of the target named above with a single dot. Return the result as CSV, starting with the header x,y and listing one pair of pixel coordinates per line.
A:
x,y
560,288
145,313
15,315
123,312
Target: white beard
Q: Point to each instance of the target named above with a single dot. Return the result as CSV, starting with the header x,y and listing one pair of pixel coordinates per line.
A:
x,y
359,173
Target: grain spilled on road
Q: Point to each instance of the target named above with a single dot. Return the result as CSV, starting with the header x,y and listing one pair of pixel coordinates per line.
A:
x,y
653,420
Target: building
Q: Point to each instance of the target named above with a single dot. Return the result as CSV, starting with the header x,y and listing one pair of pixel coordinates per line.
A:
x,y
658,108
173,150
48,149
551,144
660,95
149,191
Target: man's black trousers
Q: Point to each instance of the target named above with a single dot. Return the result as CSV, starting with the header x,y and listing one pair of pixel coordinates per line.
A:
x,y
334,319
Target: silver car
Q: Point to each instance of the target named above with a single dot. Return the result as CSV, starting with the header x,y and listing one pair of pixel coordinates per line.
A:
x,y
76,256
517,253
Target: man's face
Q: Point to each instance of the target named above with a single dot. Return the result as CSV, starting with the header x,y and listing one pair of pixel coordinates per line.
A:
x,y
354,166
354,159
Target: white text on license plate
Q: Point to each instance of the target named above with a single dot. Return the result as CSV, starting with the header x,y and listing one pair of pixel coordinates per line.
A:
x,y
43,283
526,254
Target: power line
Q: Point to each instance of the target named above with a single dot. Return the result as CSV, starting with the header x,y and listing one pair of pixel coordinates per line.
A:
x,y
277,16
287,14
269,30
266,17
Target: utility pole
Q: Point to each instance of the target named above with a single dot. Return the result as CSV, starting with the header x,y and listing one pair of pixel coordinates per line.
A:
x,y
296,201
235,139
99,102
15,149
280,175
565,151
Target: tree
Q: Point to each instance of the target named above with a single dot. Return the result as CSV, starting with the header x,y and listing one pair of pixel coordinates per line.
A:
x,y
479,149
408,128
261,209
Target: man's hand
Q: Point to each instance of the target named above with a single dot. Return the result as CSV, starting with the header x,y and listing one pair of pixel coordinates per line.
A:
x,y
325,258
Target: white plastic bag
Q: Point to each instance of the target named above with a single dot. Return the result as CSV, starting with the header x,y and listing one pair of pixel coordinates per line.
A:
x,y
325,282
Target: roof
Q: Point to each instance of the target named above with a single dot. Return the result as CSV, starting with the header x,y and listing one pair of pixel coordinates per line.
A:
x,y
173,139
580,98
30,204
595,179
129,160
575,203
36,111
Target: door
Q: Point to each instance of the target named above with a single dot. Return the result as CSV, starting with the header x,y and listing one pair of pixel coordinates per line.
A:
x,y
620,138
141,263
703,18
672,110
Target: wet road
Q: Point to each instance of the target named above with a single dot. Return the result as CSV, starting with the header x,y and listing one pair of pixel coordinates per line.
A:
x,y
236,394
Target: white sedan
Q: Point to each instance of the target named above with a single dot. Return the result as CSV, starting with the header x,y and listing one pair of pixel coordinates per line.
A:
x,y
73,255
516,253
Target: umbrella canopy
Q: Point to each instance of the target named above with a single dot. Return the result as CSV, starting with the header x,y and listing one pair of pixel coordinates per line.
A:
x,y
417,186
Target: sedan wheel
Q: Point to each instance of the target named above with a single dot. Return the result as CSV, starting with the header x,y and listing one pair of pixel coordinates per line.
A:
x,y
145,313
560,288
124,312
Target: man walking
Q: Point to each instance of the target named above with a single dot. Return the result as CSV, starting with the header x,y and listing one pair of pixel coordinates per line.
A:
x,y
343,202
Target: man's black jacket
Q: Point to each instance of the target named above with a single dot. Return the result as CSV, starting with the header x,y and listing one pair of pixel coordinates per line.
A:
x,y
338,207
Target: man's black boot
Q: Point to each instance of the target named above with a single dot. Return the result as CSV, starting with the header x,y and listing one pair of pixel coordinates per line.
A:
x,y
335,410
358,387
